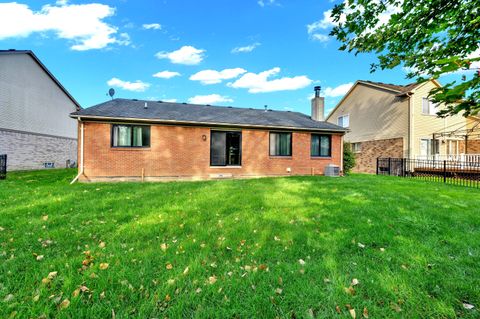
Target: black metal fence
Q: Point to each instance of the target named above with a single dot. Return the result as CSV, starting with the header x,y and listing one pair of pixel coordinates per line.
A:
x,y
448,172
3,166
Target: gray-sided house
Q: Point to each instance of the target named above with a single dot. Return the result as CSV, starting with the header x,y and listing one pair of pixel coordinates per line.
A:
x,y
35,128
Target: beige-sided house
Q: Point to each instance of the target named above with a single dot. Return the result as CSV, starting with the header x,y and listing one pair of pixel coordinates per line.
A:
x,y
387,120
36,130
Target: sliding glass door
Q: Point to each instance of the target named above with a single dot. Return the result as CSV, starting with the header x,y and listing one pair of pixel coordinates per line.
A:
x,y
226,148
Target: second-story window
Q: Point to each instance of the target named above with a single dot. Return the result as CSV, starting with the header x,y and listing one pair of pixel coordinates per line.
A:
x,y
428,107
344,121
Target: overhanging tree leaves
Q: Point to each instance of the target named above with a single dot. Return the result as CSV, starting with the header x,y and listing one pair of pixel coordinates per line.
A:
x,y
430,38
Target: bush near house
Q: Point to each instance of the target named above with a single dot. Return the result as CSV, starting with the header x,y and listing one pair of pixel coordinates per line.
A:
x,y
348,158
298,247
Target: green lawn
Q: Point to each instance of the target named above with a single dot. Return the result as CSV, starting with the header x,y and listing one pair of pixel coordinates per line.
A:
x,y
274,247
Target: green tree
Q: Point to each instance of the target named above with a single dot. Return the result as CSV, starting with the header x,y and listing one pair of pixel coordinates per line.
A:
x,y
348,158
430,38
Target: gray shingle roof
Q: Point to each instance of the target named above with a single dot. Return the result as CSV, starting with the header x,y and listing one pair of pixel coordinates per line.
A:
x,y
202,114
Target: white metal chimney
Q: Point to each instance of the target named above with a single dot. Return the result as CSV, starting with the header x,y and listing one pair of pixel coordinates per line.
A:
x,y
318,105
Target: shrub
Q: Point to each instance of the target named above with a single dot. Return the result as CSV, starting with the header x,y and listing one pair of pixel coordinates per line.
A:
x,y
348,158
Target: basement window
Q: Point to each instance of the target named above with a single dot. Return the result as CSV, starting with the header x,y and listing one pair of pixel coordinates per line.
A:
x,y
130,136
321,145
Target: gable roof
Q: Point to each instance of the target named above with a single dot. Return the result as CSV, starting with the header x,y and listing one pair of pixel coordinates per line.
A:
x,y
54,79
183,113
399,90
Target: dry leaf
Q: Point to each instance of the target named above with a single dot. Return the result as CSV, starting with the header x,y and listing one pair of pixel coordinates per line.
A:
x,y
382,249
170,281
167,298
8,298
337,308
350,290
365,312
102,295
39,258
361,245
64,304
164,246
212,280
76,292
103,266
169,266
276,238
186,271
301,262
45,218
278,291
199,290
326,280
355,282
52,275
468,306
101,245
352,313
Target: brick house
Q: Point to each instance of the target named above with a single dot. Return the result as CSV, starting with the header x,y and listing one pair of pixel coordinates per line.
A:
x,y
387,120
132,139
36,130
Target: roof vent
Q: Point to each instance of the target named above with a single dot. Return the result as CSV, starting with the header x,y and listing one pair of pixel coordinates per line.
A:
x,y
134,100
266,108
184,103
207,104
230,107
145,106
159,101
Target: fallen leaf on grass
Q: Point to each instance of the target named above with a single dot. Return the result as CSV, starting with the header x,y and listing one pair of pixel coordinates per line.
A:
x,y
1,228
361,245
301,262
352,313
186,271
103,266
167,298
355,282
278,291
102,295
169,266
39,258
365,312
350,290
101,245
36,298
276,238
164,247
337,309
468,306
382,249
199,290
76,292
395,307
212,280
8,298
45,218
64,304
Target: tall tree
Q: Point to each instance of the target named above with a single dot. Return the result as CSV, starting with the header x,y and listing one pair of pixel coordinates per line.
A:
x,y
430,38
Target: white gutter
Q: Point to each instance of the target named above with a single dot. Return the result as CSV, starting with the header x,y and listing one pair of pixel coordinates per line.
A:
x,y
80,173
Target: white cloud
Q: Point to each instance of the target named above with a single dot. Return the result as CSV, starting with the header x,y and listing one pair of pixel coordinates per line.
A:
x,y
166,74
320,37
209,99
264,3
246,49
213,77
340,90
260,83
187,55
137,86
327,21
82,24
152,26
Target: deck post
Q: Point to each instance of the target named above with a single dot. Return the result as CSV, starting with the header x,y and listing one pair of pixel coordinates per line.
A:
x,y
378,162
444,171
389,166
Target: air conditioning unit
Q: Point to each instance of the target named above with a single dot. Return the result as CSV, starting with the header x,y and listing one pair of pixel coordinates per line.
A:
x,y
332,170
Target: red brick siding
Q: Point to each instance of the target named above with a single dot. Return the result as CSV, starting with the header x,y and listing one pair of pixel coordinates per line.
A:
x,y
180,152
366,160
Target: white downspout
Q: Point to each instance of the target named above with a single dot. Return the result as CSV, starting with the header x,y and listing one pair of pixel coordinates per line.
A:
x,y
81,152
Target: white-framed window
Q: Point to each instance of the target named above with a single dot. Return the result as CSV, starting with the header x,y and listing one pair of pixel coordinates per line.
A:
x,y
429,147
356,147
344,121
428,107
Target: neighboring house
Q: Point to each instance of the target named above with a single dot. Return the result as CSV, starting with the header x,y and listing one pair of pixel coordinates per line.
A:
x,y
131,139
386,120
35,128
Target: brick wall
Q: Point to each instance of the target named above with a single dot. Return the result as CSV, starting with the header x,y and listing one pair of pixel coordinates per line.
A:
x,y
26,151
366,159
180,152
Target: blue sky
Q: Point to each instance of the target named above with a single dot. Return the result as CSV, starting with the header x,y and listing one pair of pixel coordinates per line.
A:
x,y
245,53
